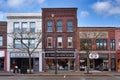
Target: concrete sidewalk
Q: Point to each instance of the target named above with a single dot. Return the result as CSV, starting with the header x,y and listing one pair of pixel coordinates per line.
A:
x,y
92,73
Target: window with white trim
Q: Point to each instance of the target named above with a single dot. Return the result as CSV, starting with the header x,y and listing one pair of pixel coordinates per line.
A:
x,y
70,42
16,26
49,42
32,26
59,42
24,26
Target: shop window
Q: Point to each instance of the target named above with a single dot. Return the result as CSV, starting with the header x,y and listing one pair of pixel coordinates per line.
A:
x,y
112,44
49,42
16,26
59,42
49,26
70,42
59,26
101,44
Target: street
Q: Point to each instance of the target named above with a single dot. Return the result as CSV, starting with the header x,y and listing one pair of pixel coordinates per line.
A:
x,y
59,77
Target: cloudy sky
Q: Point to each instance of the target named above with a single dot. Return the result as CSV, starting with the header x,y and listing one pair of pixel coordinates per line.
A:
x,y
90,12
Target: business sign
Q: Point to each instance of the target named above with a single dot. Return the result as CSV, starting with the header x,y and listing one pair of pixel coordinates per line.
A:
x,y
23,55
93,55
59,55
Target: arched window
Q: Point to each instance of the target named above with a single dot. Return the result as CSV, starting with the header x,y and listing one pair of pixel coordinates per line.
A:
x,y
70,26
59,26
49,26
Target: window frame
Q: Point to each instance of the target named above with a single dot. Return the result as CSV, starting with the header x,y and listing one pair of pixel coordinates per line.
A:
x,y
16,29
51,42
70,41
59,25
59,42
24,28
70,26
49,26
1,40
32,29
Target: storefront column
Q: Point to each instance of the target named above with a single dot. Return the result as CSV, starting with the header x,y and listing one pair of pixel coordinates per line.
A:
x,y
109,60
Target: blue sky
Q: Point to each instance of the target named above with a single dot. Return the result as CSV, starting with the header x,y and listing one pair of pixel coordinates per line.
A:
x,y
91,13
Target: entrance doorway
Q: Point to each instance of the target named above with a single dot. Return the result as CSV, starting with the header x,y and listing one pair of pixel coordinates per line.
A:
x,y
1,64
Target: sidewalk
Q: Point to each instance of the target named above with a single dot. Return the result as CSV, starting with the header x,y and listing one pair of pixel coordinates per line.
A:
x,y
82,73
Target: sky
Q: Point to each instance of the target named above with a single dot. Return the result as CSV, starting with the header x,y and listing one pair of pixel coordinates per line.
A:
x,y
90,13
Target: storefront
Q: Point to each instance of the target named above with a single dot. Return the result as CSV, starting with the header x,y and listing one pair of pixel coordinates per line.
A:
x,y
22,61
2,61
65,61
102,63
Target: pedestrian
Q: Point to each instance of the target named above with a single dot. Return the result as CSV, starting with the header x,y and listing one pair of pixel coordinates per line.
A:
x,y
15,69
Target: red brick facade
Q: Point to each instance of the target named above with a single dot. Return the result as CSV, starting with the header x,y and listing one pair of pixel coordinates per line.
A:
x,y
63,14
3,47
108,36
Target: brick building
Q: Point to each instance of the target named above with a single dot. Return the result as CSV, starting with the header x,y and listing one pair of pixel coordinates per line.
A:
x,y
3,45
103,43
59,28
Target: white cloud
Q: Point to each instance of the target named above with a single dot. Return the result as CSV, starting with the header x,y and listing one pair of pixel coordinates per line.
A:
x,y
109,7
15,3
100,7
23,3
2,16
84,13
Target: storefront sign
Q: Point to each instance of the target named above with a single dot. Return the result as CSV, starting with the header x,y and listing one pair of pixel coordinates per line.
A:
x,y
93,55
21,55
59,55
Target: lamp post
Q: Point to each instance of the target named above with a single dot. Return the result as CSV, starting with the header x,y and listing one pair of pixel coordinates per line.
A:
x,y
55,43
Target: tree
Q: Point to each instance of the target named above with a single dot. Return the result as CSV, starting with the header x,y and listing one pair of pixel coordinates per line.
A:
x,y
86,41
29,41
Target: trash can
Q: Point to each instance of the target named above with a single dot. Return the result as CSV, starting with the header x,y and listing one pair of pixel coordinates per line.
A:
x,y
23,70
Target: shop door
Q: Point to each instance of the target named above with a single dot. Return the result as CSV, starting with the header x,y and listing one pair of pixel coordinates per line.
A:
x,y
92,64
36,65
2,64
24,63
105,65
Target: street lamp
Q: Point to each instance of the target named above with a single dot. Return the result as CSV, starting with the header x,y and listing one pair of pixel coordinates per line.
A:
x,y
55,42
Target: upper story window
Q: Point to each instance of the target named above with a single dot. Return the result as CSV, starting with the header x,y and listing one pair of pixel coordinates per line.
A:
x,y
85,44
49,42
59,26
17,43
70,26
1,40
59,42
24,43
49,26
112,44
32,26
24,26
101,44
70,42
16,26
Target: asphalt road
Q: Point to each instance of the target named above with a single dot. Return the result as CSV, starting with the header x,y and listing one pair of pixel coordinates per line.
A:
x,y
59,77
